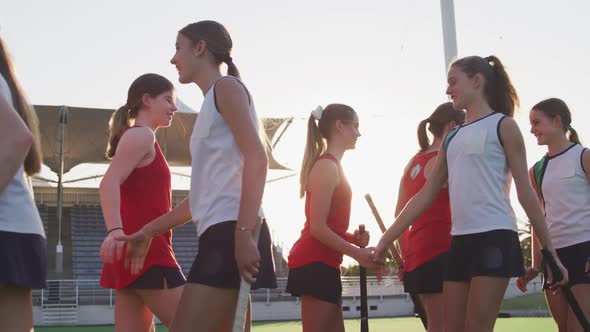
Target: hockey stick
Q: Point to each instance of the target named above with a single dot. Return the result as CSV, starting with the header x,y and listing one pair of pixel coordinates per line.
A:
x,y
396,257
567,292
364,309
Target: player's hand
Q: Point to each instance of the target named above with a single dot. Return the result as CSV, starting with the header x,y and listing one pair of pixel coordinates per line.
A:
x,y
554,284
361,240
138,244
111,250
530,274
247,255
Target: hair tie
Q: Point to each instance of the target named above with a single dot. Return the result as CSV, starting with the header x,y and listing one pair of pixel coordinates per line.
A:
x,y
317,113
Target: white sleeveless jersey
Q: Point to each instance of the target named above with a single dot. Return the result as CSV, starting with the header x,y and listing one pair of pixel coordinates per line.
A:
x,y
18,212
479,178
565,191
217,166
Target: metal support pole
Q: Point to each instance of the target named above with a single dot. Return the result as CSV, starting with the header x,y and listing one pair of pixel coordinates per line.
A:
x,y
63,121
447,8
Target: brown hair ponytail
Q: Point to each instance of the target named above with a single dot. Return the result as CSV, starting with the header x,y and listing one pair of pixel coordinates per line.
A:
x,y
438,120
217,39
150,84
120,121
498,89
317,133
423,139
314,147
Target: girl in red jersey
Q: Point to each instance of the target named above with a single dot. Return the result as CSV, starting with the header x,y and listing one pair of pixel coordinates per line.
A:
x,y
314,260
425,244
135,190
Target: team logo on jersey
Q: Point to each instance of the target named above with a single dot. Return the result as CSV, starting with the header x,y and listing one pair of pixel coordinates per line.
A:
x,y
415,171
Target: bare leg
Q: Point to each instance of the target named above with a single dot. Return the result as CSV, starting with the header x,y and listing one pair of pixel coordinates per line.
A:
x,y
320,316
582,295
455,295
16,309
162,302
131,314
434,305
209,308
483,304
558,307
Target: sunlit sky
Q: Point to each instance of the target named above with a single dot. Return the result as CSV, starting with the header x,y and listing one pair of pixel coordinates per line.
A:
x,y
383,58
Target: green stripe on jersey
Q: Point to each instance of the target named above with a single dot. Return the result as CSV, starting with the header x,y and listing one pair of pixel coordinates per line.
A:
x,y
538,171
449,136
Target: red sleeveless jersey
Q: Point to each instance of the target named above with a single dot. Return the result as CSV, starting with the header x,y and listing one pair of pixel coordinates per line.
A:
x,y
146,194
308,249
430,235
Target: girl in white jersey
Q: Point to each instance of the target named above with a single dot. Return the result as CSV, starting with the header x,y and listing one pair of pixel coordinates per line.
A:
x,y
229,166
22,237
477,159
562,181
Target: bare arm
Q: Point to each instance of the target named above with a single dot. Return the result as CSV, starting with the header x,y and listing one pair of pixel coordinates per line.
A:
x,y
516,156
179,216
323,180
15,143
233,102
133,147
535,244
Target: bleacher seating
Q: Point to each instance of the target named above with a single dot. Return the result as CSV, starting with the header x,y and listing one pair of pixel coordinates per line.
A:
x,y
45,215
185,245
88,232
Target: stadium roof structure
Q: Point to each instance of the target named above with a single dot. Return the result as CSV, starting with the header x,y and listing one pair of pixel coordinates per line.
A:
x,y
85,136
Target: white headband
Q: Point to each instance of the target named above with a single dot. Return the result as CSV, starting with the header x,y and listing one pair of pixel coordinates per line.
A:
x,y
317,113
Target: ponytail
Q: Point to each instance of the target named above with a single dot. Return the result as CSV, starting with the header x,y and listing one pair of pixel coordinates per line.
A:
x,y
232,70
217,39
444,114
498,89
423,139
573,136
314,147
118,123
501,94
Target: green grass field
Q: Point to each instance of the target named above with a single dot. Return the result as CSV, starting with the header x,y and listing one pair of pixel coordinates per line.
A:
x,y
529,301
407,324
